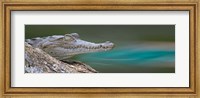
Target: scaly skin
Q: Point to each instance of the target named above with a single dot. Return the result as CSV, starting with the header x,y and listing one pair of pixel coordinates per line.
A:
x,y
68,45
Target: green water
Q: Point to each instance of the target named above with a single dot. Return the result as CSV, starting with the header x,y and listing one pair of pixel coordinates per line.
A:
x,y
138,48
126,60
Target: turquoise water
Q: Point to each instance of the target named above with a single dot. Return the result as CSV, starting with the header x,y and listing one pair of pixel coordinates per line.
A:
x,y
130,60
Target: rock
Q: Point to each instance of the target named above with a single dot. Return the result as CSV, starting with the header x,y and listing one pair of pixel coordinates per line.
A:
x,y
38,61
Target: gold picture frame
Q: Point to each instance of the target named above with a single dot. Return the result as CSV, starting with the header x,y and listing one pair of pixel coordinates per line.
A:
x,y
119,5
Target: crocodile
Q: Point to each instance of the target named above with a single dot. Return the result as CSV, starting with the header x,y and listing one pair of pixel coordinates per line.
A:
x,y
65,46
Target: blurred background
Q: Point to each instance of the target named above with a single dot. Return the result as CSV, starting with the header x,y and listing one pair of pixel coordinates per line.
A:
x,y
138,48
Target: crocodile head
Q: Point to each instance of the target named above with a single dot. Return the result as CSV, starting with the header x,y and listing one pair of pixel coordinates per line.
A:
x,y
63,47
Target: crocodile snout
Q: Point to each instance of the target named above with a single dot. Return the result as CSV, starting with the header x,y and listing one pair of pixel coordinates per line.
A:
x,y
107,44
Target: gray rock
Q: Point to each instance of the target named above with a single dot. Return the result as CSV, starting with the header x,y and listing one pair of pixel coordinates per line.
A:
x,y
38,61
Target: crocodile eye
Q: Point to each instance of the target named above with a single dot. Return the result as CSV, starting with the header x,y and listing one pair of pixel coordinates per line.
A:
x,y
68,38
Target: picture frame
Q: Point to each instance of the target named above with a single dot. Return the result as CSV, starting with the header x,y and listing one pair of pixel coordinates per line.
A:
x,y
187,92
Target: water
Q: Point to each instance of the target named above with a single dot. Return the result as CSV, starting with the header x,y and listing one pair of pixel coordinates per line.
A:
x,y
131,60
